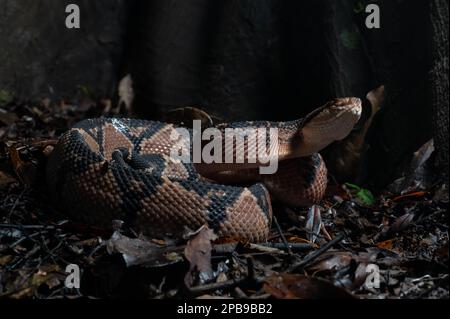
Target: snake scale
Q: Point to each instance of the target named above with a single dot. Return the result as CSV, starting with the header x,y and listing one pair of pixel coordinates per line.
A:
x,y
106,169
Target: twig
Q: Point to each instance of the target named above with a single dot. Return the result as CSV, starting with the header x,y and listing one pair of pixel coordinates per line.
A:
x,y
13,208
280,253
267,249
316,253
288,248
250,268
22,227
25,237
202,289
198,290
293,246
239,293
325,232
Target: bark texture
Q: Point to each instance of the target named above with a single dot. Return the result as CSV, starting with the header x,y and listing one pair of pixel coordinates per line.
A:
x,y
439,81
40,57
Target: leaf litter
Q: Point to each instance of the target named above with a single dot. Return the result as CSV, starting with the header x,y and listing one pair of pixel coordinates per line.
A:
x,y
319,252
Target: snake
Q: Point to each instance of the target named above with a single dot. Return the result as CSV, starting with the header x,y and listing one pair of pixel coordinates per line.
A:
x,y
104,169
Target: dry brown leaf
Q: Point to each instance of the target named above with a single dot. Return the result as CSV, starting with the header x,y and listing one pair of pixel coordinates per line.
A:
x,y
376,98
198,253
387,244
360,276
409,196
26,171
401,223
142,252
293,286
332,261
126,92
5,259
418,176
47,274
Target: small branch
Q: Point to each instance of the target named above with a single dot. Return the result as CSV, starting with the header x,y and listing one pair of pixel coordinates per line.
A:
x,y
311,257
292,246
288,248
202,289
22,227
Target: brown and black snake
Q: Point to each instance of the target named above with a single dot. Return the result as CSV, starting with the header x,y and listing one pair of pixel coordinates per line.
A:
x,y
111,168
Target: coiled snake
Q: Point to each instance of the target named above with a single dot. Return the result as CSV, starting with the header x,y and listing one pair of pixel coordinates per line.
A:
x,y
105,169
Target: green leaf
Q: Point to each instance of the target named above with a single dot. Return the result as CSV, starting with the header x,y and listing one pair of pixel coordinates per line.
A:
x,y
366,197
353,186
363,195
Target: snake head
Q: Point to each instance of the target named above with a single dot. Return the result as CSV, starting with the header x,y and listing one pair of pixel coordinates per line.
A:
x,y
329,123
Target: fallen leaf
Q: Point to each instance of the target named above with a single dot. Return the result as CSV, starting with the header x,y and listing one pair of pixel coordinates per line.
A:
x,y
419,175
332,261
410,195
126,92
48,274
360,276
376,98
5,259
26,171
293,286
401,223
198,253
313,223
141,252
336,260
363,195
387,244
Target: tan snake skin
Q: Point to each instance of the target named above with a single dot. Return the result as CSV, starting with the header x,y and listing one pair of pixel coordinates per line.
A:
x,y
106,169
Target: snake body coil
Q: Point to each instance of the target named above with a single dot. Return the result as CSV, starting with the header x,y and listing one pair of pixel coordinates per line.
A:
x,y
106,169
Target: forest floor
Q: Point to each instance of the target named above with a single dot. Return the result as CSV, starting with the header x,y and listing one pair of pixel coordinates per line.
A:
x,y
353,245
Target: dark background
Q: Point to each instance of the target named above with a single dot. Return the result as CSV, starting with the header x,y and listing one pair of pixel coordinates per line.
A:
x,y
242,59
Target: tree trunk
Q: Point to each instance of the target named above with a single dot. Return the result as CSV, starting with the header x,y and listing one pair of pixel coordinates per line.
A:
x,y
40,57
439,81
